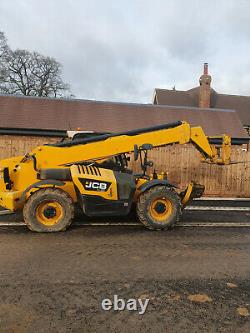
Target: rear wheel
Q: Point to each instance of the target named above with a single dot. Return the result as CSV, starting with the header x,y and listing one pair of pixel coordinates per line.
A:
x,y
159,208
48,210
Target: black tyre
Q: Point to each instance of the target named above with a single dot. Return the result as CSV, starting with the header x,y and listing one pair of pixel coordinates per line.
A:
x,y
48,210
159,208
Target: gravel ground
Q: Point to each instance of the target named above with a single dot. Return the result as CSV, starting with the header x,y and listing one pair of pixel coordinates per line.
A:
x,y
197,279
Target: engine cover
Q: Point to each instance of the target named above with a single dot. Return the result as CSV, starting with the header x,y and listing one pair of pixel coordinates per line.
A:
x,y
103,191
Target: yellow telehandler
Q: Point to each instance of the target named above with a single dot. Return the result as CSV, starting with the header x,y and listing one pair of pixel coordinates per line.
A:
x,y
92,173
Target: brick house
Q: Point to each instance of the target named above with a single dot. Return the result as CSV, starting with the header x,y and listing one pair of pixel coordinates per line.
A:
x,y
204,96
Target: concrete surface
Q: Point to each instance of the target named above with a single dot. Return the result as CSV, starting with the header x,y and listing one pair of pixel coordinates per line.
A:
x,y
197,280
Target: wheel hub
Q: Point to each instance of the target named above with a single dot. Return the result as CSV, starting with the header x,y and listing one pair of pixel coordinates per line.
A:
x,y
160,207
49,212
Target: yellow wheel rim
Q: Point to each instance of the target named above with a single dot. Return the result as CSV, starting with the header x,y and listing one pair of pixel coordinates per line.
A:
x,y
49,213
161,209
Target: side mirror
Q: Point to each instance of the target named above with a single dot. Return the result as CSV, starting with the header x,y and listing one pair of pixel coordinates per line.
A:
x,y
146,146
136,152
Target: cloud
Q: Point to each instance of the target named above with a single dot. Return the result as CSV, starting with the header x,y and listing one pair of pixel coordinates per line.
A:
x,y
121,50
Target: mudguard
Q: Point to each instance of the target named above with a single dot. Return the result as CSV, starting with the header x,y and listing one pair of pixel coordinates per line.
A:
x,y
144,187
51,182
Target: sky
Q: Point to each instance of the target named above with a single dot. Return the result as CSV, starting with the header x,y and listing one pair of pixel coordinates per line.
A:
x,y
120,50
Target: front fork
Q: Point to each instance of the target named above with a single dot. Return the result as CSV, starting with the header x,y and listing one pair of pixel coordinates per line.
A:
x,y
192,191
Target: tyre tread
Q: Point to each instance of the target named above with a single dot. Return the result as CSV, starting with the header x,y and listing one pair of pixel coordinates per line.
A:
x,y
47,191
144,197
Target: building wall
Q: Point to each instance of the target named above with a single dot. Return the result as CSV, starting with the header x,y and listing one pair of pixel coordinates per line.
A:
x,y
181,162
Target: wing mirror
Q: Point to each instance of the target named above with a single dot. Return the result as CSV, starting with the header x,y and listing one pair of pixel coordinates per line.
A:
x,y
146,146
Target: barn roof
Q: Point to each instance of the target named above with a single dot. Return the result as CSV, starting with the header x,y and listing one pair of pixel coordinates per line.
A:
x,y
241,104
69,114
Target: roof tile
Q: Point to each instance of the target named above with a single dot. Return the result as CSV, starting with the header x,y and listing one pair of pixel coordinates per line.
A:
x,y
70,114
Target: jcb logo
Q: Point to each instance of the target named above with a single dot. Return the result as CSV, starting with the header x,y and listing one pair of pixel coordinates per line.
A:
x,y
96,186
93,185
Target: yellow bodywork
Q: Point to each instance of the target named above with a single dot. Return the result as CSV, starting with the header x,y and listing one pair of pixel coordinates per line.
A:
x,y
23,173
51,156
105,174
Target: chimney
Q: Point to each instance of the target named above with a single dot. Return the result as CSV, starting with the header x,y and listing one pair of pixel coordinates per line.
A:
x,y
205,88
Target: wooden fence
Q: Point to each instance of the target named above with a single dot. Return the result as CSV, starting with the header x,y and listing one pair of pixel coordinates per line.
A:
x,y
18,145
182,164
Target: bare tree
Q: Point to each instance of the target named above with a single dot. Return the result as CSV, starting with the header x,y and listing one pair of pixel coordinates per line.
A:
x,y
30,73
3,52
3,45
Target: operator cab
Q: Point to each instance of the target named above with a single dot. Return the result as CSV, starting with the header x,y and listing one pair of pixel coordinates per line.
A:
x,y
116,163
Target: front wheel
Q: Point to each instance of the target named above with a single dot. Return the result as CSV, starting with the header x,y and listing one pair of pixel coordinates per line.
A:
x,y
48,210
159,208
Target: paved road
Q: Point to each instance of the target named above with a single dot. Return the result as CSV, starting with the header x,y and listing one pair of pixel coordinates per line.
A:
x,y
56,282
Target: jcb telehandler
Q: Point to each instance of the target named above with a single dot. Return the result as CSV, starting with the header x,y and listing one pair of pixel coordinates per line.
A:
x,y
92,173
